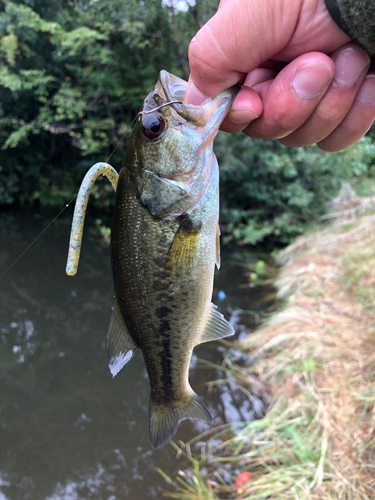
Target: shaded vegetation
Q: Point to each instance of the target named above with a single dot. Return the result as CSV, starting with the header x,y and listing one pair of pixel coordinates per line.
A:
x,y
73,74
72,77
270,192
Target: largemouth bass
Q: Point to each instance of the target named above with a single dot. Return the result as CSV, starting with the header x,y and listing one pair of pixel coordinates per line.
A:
x,y
164,246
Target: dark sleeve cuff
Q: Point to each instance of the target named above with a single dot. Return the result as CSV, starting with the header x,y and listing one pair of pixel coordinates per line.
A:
x,y
334,11
360,16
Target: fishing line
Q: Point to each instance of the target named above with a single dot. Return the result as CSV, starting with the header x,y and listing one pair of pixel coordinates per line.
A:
x,y
39,235
53,220
67,205
117,145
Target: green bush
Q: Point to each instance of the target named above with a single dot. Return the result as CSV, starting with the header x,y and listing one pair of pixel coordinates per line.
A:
x,y
269,192
72,78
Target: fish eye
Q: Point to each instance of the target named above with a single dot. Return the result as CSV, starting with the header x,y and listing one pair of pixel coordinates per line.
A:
x,y
153,126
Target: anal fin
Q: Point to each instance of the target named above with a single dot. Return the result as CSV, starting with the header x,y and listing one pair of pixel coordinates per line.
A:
x,y
182,254
217,327
120,345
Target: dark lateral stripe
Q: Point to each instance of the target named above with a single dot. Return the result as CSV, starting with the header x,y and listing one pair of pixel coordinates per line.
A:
x,y
159,369
166,362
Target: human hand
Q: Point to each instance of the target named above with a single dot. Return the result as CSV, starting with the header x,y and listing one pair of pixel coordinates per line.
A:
x,y
304,82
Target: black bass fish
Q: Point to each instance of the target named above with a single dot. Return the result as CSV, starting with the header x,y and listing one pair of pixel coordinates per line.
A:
x,y
164,246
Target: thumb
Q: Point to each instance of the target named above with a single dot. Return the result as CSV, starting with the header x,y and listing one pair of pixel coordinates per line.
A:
x,y
240,36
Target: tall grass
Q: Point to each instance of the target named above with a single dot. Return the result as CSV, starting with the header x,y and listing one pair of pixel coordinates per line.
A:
x,y
317,357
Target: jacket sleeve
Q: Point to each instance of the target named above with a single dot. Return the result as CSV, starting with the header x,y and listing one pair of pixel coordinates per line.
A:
x,y
357,19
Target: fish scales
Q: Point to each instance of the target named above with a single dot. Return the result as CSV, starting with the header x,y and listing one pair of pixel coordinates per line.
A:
x,y
164,246
159,309
153,303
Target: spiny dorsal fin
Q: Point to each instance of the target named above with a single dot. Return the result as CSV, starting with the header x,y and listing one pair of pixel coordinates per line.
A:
x,y
164,420
217,327
183,252
120,345
218,260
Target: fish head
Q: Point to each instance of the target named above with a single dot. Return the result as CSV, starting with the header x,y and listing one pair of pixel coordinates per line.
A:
x,y
171,153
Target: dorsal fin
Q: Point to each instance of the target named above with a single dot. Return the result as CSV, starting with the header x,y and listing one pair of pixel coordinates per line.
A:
x,y
217,327
183,252
120,345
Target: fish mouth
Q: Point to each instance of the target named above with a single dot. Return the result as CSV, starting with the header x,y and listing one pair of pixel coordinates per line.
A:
x,y
175,90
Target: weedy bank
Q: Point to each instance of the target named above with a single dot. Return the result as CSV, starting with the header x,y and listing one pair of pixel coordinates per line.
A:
x,y
317,359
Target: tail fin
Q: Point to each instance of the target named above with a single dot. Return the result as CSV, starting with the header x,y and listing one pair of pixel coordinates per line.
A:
x,y
164,420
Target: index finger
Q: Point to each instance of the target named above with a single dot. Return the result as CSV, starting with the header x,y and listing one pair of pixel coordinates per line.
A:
x,y
235,41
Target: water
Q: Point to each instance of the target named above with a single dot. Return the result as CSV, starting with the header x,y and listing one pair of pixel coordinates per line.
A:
x,y
68,431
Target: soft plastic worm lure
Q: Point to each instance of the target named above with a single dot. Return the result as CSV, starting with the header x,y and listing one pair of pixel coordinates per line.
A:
x,y
95,171
80,211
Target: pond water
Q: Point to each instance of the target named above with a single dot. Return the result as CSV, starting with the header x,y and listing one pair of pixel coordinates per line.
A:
x,y
68,431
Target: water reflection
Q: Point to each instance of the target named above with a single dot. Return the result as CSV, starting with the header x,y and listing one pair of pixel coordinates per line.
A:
x,y
67,429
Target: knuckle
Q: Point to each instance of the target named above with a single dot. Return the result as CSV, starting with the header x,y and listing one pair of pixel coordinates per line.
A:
x,y
284,120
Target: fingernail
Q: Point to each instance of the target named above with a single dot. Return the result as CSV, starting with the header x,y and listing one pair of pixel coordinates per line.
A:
x,y
366,92
350,64
194,96
242,116
310,80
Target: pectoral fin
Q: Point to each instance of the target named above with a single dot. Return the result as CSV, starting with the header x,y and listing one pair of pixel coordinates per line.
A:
x,y
182,254
120,346
217,327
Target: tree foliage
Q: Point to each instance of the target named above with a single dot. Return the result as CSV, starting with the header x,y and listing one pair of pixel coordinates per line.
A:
x,y
269,192
73,74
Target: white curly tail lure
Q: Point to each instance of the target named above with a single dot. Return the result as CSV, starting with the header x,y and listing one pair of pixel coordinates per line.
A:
x,y
75,242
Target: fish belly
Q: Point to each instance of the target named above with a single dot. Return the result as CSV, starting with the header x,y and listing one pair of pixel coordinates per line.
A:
x,y
165,314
